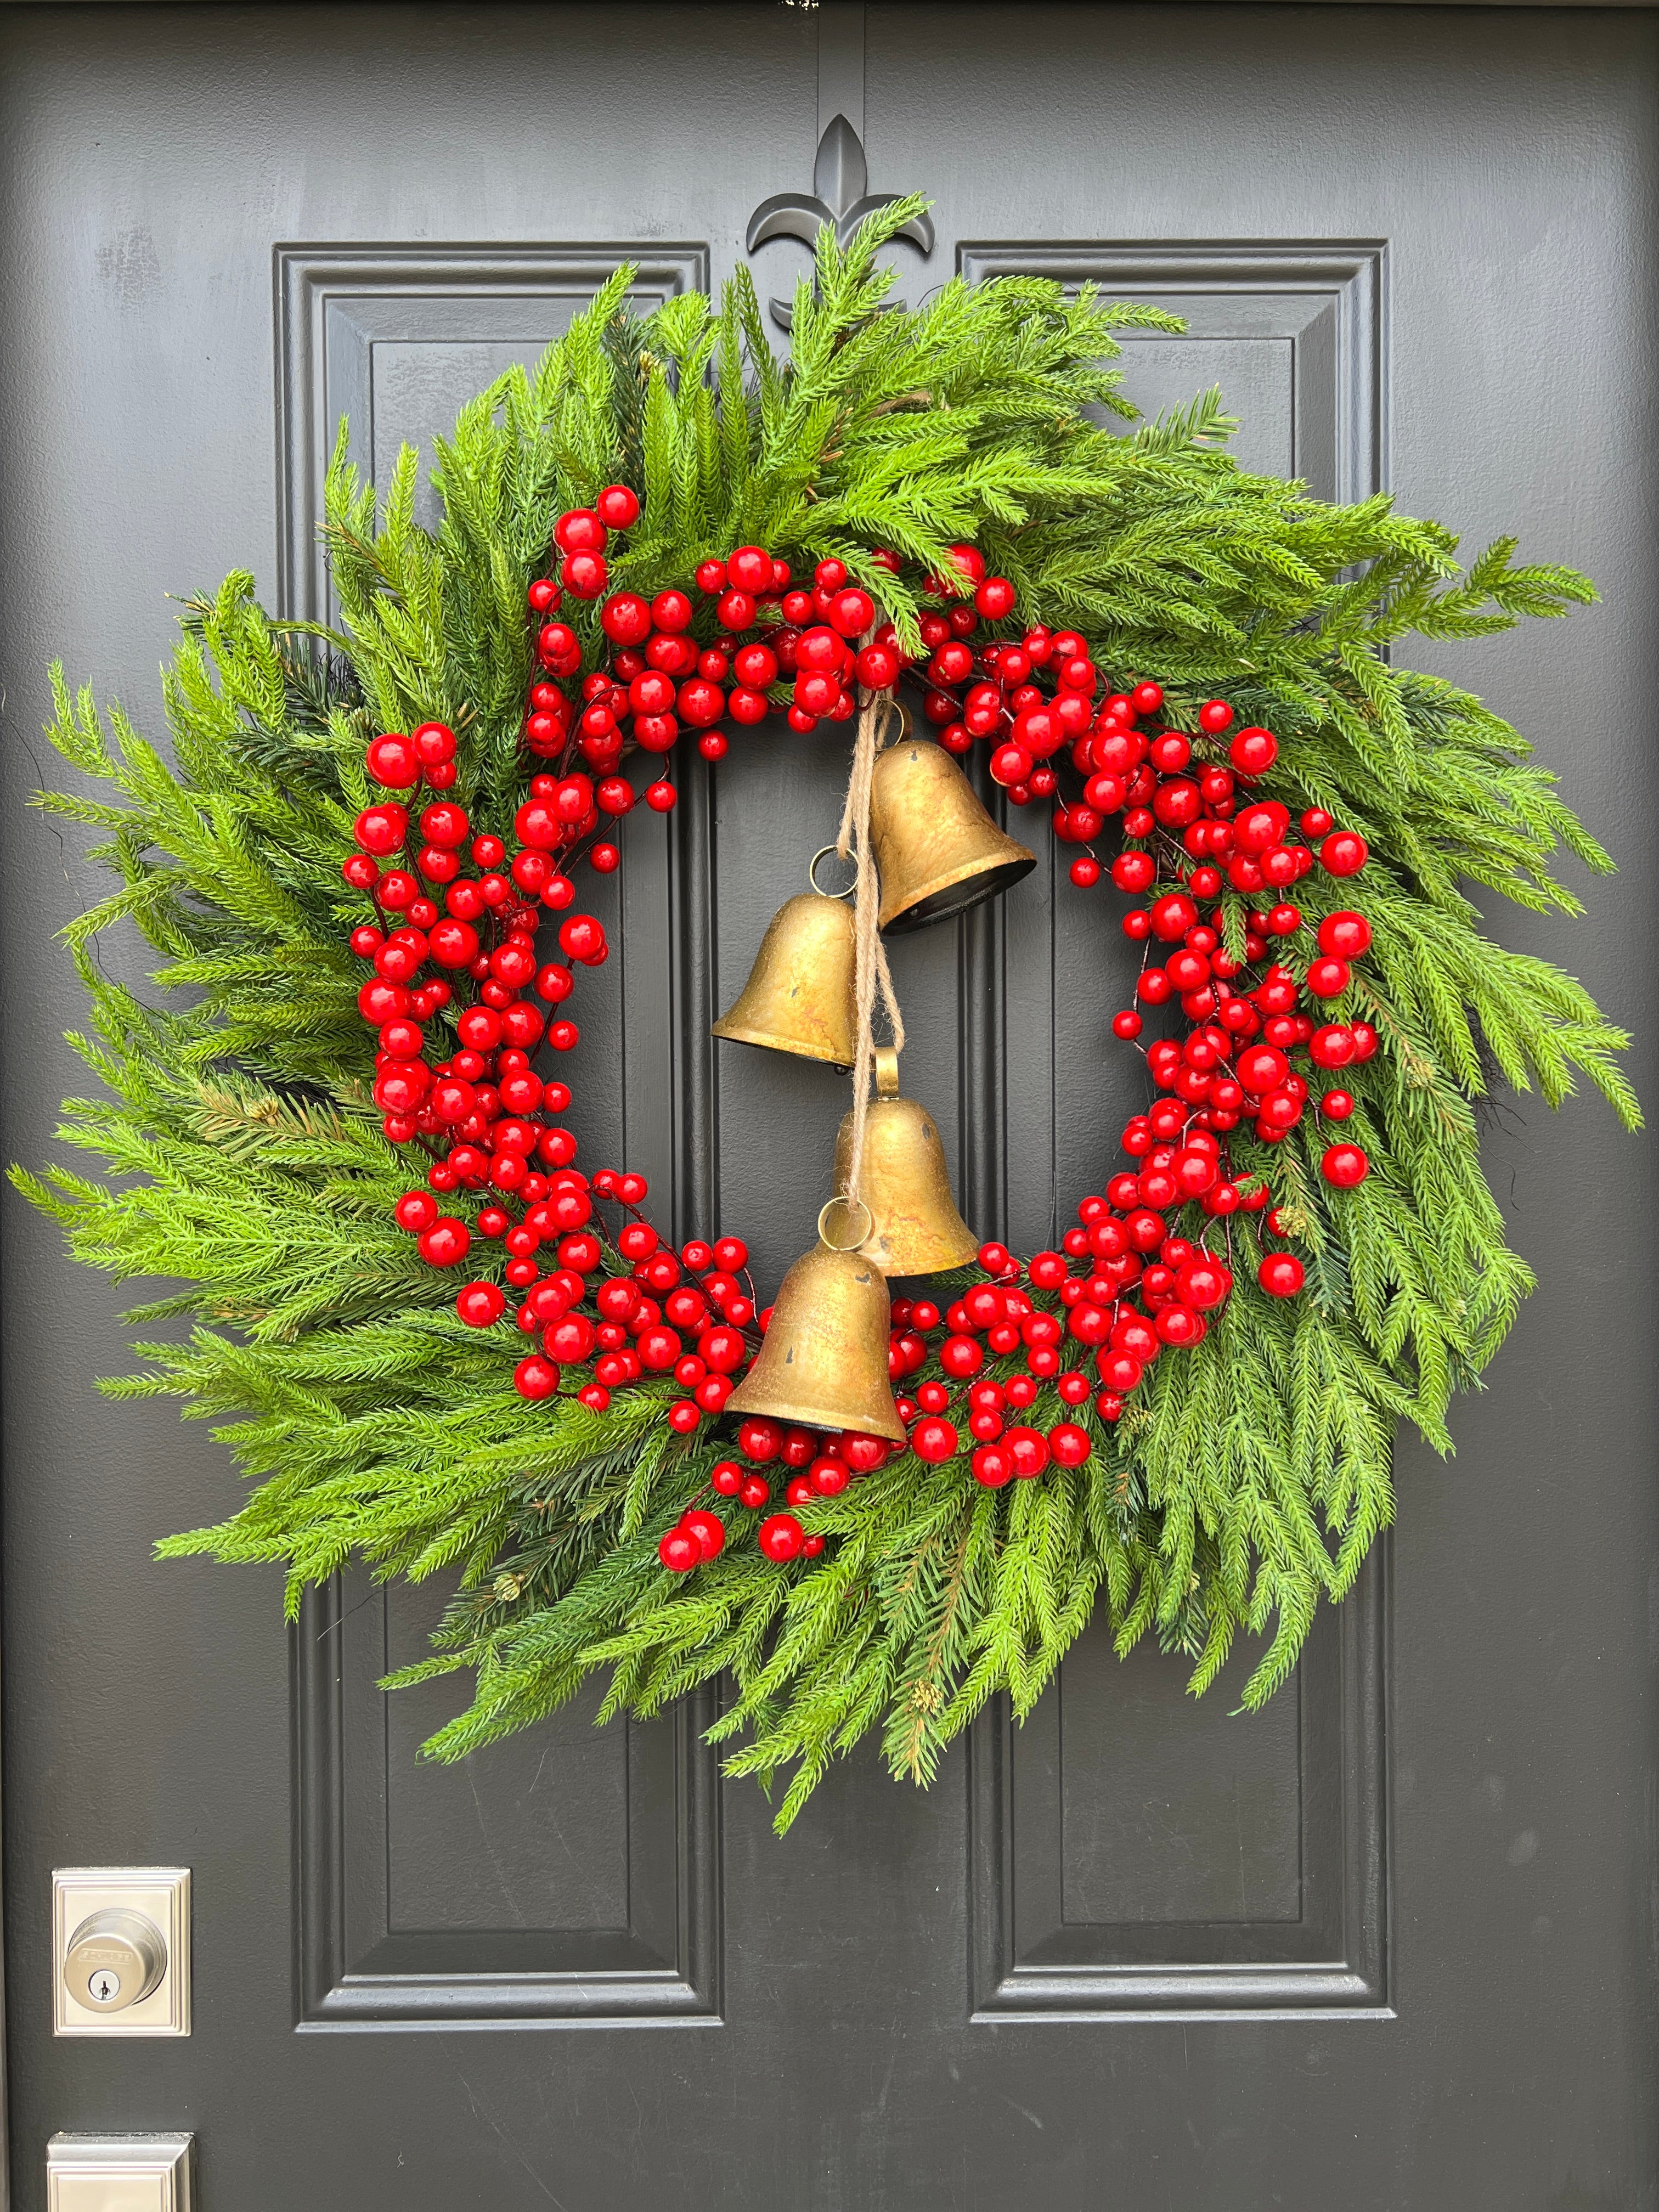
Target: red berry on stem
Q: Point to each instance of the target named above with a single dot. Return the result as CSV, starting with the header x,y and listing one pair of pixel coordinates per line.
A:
x,y
781,1537
1253,751
1328,979
535,1377
445,1243
392,761
708,1531
617,506
1345,1166
1344,853
679,1551
935,1440
1345,935
480,1304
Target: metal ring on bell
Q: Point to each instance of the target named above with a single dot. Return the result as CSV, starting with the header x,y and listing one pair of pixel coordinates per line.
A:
x,y
847,1205
822,854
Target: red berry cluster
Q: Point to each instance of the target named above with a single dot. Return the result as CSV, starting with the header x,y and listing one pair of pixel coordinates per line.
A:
x,y
490,1120
1251,1018
658,680
811,1464
634,1324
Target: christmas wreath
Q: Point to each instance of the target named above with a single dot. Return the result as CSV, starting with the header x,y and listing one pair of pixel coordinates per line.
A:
x,y
439,1343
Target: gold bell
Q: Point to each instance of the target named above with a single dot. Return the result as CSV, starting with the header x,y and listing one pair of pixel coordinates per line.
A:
x,y
800,995
905,1183
823,1361
937,850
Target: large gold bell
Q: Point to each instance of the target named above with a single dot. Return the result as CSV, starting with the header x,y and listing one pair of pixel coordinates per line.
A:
x,y
823,1361
800,993
904,1182
937,850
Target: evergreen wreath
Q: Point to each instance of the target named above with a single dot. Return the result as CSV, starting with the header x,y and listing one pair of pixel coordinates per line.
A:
x,y
261,1155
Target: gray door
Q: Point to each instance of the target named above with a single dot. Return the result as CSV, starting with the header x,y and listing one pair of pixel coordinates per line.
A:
x,y
1390,1945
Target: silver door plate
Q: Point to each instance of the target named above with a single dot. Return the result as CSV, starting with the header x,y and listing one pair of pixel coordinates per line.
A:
x,y
119,2173
158,1895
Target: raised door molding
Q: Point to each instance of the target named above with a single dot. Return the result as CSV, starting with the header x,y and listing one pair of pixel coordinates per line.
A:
x,y
336,304
1324,300
570,1877
642,1945
1100,1832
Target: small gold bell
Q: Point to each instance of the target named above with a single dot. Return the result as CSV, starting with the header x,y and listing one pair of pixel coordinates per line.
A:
x,y
823,1361
905,1183
937,851
800,993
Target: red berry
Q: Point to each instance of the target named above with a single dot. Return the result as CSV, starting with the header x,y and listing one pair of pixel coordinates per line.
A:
x,y
1328,979
1344,853
992,1467
1336,1105
1215,716
584,574
618,508
679,1552
535,1377
1069,1444
445,1244
1173,915
1346,935
1028,1449
415,1211
1253,751
480,1304
935,1440
782,1537
381,829
707,1529
393,762
1128,1023
1281,1275
750,570
1345,1166
579,531
758,1441
1331,1046
625,619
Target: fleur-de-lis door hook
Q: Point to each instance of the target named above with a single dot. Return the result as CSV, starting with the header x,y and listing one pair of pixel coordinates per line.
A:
x,y
840,195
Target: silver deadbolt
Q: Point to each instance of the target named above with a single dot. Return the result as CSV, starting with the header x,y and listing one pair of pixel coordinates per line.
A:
x,y
115,1959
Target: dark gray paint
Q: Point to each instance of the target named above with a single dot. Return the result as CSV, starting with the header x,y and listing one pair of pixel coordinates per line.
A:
x,y
1414,245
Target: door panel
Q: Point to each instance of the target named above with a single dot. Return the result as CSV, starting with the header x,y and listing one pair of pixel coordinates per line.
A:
x,y
1386,1944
